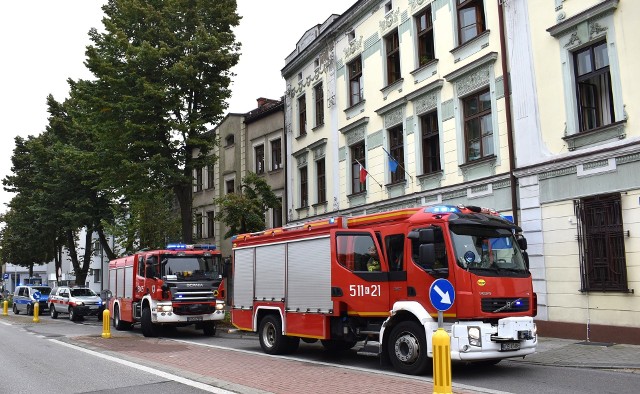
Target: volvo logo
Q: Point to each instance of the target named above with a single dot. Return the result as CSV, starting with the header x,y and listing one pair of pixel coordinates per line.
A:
x,y
195,285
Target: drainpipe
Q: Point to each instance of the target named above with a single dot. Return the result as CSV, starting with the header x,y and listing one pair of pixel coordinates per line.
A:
x,y
507,103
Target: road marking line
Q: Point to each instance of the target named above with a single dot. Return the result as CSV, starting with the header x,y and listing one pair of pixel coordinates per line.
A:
x,y
165,375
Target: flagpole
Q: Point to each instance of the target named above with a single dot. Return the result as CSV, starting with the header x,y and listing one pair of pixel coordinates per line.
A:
x,y
368,173
392,158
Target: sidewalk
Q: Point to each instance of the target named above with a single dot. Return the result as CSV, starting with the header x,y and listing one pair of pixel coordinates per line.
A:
x,y
241,372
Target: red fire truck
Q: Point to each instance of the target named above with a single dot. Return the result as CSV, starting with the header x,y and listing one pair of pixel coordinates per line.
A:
x,y
176,286
315,282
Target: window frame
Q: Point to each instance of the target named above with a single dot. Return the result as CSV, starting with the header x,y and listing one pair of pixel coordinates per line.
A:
x,y
425,37
258,152
430,138
319,104
304,186
396,149
392,55
198,225
276,154
199,179
479,115
479,20
321,181
302,115
354,68
357,154
211,224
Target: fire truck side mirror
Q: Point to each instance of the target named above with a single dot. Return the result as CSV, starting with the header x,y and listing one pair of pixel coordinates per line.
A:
x,y
522,243
424,236
427,255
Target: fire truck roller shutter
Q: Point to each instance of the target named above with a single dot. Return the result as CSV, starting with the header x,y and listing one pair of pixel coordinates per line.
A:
x,y
120,283
243,278
309,275
112,281
270,271
128,273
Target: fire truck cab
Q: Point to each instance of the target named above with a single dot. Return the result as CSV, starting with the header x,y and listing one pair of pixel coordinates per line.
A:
x,y
177,286
312,282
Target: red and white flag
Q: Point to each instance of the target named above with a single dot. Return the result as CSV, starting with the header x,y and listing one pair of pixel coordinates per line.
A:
x,y
363,174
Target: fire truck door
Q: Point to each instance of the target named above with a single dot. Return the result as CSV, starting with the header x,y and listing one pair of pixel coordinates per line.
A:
x,y
360,273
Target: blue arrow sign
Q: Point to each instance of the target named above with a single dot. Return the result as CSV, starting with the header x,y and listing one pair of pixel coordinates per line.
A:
x,y
6,276
441,294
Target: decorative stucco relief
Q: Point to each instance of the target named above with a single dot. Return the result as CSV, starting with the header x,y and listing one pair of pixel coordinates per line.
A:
x,y
473,81
393,118
354,47
355,135
389,21
426,103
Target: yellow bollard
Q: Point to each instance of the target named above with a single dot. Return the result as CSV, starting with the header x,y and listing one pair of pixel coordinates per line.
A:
x,y
36,312
106,328
5,308
441,362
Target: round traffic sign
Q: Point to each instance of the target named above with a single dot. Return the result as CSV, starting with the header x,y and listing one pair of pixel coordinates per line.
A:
x,y
442,294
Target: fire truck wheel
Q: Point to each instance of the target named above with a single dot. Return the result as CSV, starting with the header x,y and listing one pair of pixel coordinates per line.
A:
x,y
15,309
209,328
117,323
148,328
337,345
271,339
407,348
53,312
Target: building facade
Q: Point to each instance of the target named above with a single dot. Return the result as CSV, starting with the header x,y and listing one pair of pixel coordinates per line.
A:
x,y
578,148
412,110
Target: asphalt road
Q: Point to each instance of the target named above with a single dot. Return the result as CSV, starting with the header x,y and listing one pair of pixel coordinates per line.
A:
x,y
43,364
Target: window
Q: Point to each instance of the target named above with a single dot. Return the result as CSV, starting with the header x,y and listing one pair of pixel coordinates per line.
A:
x,y
396,149
319,95
198,179
210,224
276,154
394,245
316,63
97,275
355,82
470,19
259,153
304,188
357,159
210,177
424,24
440,267
478,126
601,239
300,77
230,186
352,250
392,45
430,143
388,7
198,223
229,140
321,181
302,115
277,215
351,35
593,82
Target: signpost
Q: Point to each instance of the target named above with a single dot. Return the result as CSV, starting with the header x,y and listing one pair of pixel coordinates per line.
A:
x,y
442,295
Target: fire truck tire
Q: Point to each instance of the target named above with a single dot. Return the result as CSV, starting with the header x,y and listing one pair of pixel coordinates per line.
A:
x,y
337,345
53,312
209,328
117,323
15,309
407,348
272,340
149,329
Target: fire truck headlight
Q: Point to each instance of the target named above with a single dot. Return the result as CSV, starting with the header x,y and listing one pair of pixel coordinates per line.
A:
x,y
474,336
165,308
219,305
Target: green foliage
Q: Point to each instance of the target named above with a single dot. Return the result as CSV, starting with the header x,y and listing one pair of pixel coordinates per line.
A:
x,y
245,211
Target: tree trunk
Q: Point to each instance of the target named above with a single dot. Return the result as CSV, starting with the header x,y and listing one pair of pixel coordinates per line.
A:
x,y
184,195
104,242
71,247
81,275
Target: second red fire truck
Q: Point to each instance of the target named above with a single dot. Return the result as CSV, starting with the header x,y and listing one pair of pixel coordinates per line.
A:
x,y
176,286
317,281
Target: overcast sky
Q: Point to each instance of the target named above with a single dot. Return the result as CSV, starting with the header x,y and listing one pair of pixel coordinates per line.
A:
x,y
42,44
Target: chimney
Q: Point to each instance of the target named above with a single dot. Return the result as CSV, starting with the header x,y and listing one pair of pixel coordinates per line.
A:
x,y
262,101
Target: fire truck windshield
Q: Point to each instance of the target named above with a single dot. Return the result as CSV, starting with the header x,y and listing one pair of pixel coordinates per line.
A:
x,y
191,267
487,251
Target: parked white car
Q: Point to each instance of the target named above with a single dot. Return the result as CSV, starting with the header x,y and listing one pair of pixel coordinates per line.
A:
x,y
76,301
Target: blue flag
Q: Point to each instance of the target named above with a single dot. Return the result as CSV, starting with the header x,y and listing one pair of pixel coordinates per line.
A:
x,y
393,164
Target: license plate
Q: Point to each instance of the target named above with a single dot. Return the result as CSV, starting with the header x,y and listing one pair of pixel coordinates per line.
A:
x,y
508,346
194,318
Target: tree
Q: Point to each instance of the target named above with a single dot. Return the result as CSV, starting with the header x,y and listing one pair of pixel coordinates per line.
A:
x,y
163,76
245,211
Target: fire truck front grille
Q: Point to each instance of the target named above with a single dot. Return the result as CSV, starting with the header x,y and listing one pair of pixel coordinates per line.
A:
x,y
193,309
193,295
502,305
